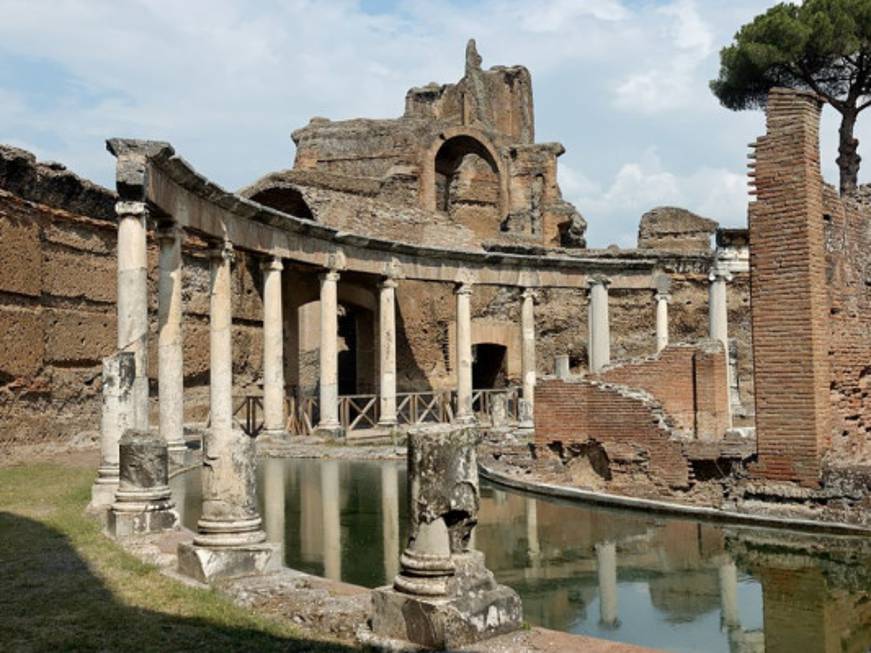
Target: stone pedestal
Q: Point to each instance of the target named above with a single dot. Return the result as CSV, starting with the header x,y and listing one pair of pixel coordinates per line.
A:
x,y
474,607
443,597
561,367
143,503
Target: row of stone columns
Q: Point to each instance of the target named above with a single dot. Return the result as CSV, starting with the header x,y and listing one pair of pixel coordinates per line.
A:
x,y
599,337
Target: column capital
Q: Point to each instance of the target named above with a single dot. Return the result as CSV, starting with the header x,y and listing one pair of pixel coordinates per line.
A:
x,y
168,231
463,288
274,263
662,296
530,293
388,282
330,275
224,251
598,280
127,209
719,274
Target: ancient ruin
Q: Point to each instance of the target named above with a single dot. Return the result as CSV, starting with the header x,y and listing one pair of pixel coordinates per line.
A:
x,y
421,281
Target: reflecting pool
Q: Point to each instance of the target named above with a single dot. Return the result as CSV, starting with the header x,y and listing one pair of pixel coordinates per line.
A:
x,y
673,584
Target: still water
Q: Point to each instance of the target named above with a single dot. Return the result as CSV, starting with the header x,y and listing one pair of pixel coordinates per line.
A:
x,y
672,584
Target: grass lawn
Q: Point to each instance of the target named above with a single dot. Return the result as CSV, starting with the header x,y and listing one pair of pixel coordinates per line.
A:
x,y
66,587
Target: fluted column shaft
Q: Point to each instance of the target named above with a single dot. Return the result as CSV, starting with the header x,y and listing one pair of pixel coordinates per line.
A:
x,y
662,301
170,357
329,358
387,342
527,346
598,326
274,423
463,293
133,301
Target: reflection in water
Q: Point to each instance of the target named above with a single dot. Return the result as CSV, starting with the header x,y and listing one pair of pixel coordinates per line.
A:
x,y
666,583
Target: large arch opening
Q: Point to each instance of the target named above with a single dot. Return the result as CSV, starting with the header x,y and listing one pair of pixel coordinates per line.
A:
x,y
489,366
285,199
467,184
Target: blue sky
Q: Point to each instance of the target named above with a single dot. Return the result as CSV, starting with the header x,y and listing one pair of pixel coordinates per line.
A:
x,y
622,84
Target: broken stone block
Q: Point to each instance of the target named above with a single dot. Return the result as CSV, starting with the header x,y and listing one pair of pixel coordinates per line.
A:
x,y
444,596
143,502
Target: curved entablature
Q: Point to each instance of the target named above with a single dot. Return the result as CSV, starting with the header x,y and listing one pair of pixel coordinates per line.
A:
x,y
152,172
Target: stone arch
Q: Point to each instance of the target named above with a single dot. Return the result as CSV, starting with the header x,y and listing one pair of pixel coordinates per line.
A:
x,y
460,140
286,199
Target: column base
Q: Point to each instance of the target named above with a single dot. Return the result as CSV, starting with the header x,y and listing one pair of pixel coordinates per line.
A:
x,y
476,608
102,494
465,420
129,519
210,563
334,431
279,436
177,455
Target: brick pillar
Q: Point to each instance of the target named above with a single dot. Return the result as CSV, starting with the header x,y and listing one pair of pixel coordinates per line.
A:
x,y
789,293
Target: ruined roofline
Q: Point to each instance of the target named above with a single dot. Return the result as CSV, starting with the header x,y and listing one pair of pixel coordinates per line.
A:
x,y
174,186
52,184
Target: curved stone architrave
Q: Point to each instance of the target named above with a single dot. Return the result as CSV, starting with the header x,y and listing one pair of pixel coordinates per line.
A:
x,y
197,204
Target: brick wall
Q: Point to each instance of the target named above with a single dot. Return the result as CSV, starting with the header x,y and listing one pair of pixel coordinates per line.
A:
x,y
688,380
848,247
57,320
789,293
624,422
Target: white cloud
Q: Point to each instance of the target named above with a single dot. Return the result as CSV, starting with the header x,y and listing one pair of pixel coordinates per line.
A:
x,y
641,185
227,81
675,53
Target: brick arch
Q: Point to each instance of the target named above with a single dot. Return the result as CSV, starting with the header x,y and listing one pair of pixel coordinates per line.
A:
x,y
484,145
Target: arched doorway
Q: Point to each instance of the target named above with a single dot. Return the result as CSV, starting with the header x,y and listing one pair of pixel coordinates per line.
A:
x,y
489,366
463,175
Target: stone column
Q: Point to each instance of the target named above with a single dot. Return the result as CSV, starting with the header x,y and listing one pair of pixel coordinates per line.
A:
x,y
390,519
718,315
606,564
663,299
527,348
561,367
230,540
119,373
133,300
274,422
718,321
387,340
329,425
729,595
444,597
170,357
598,327
463,293
332,519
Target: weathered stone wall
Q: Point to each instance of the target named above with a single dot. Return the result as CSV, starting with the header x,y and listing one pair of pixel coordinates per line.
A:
x,y
848,248
57,307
